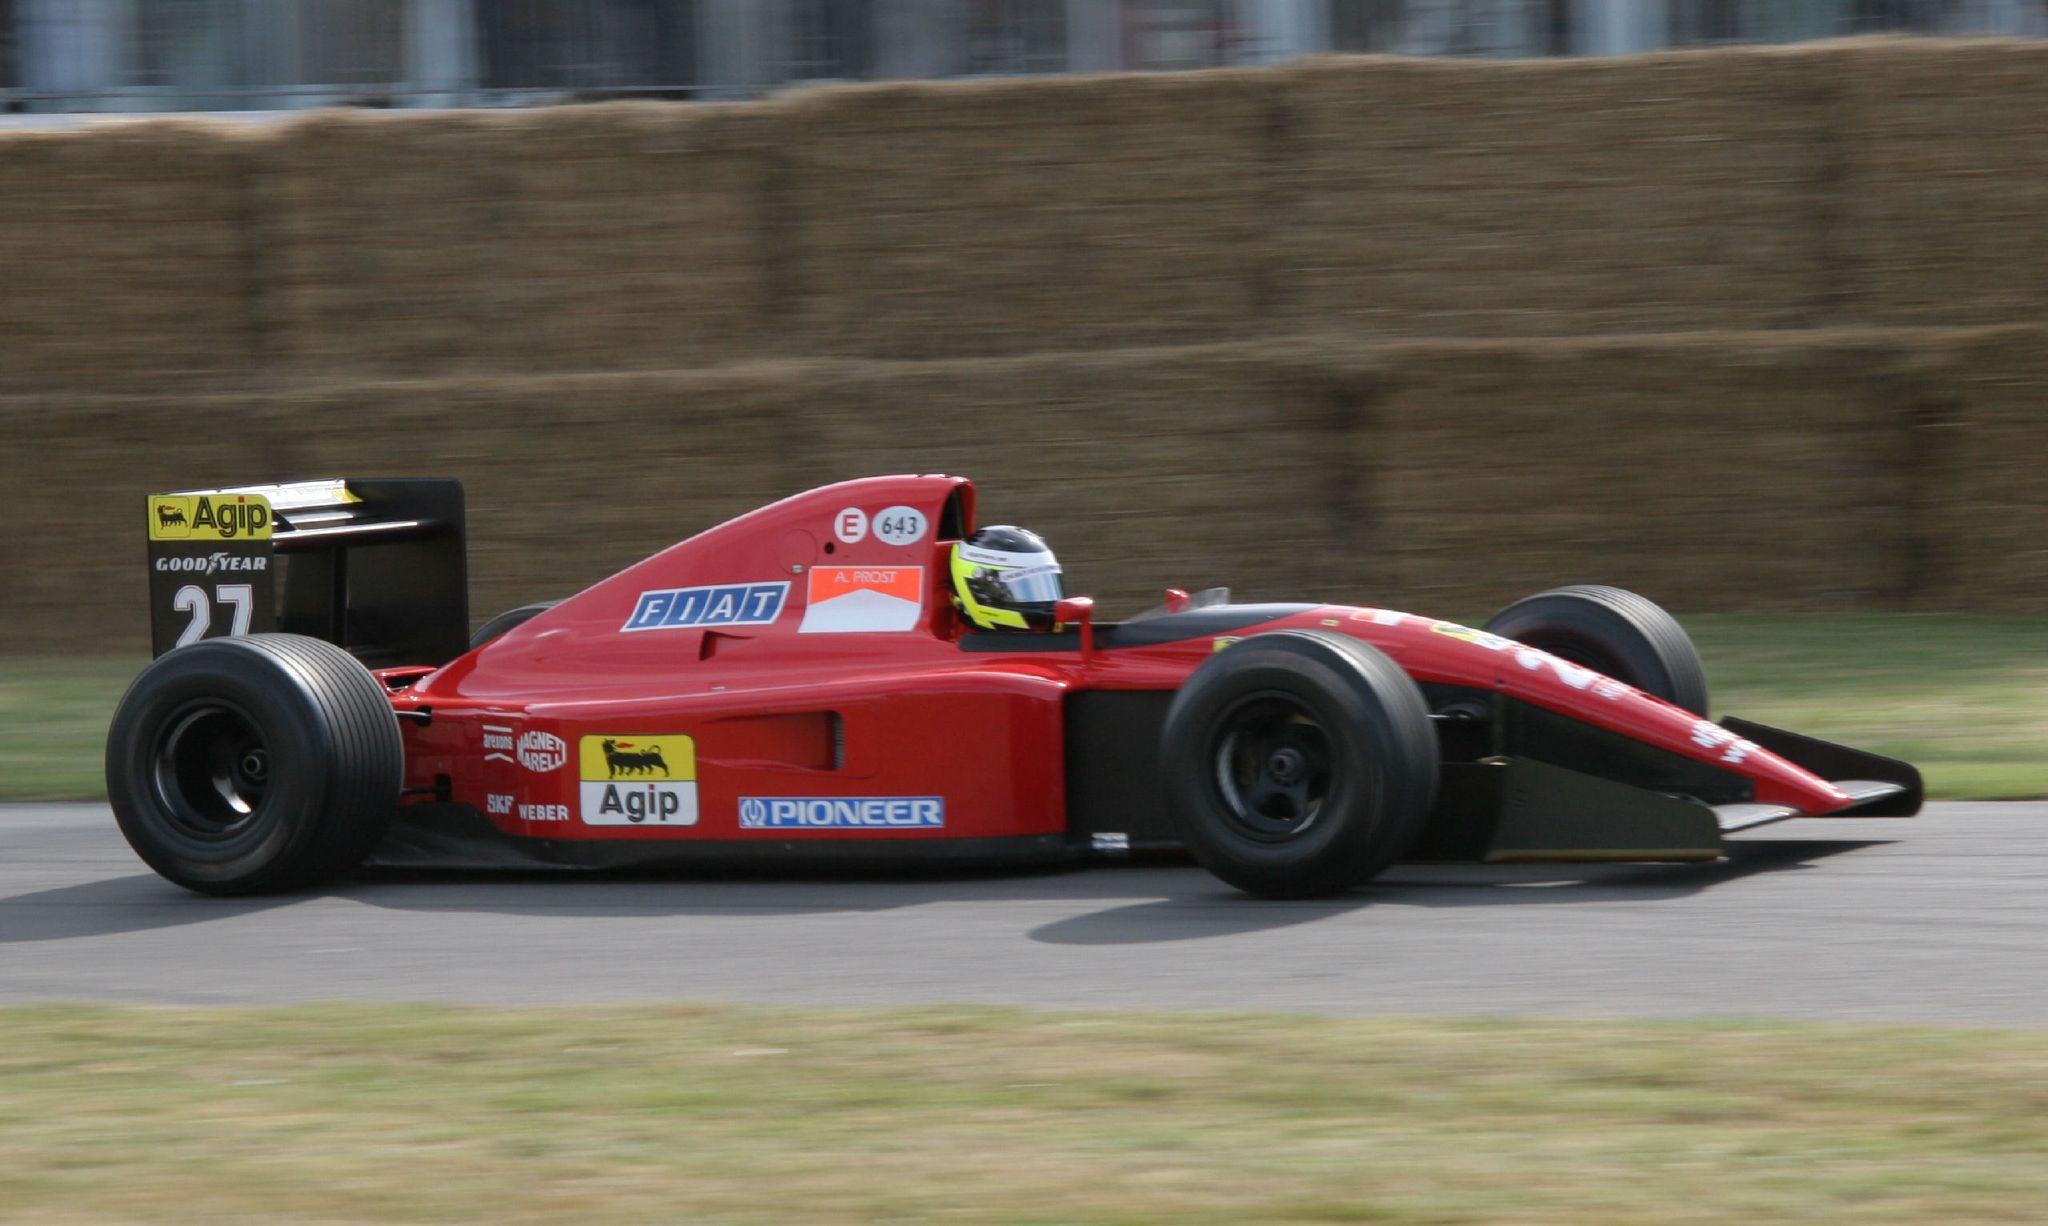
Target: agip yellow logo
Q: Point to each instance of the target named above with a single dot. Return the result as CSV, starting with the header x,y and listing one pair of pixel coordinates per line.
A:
x,y
209,517
637,780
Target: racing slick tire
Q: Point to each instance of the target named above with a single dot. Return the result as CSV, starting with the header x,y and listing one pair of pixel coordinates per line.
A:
x,y
254,764
1299,763
507,620
1614,632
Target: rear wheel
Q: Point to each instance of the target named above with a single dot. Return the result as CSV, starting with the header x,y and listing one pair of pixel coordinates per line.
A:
x,y
507,620
1615,632
252,764
1299,763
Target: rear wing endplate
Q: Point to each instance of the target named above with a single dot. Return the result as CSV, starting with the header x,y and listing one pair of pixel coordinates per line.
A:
x,y
374,565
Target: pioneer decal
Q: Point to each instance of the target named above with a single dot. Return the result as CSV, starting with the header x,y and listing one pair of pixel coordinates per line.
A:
x,y
842,813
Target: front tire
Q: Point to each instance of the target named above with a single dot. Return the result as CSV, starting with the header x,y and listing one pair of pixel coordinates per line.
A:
x,y
254,764
1299,763
1615,632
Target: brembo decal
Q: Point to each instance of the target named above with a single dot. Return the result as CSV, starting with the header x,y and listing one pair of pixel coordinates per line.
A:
x,y
1711,736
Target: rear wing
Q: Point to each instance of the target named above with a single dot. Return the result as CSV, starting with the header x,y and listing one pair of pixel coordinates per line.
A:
x,y
375,565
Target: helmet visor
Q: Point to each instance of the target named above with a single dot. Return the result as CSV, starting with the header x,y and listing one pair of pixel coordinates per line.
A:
x,y
1030,584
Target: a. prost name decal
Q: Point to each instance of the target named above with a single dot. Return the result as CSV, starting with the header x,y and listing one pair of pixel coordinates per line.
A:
x,y
842,812
637,780
718,604
862,599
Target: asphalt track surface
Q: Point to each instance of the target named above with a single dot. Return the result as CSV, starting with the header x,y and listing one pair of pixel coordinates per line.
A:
x,y
1941,918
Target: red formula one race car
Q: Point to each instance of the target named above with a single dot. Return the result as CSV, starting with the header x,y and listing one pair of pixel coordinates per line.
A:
x,y
857,673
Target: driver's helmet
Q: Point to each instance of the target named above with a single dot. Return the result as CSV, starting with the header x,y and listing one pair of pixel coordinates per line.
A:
x,y
1005,578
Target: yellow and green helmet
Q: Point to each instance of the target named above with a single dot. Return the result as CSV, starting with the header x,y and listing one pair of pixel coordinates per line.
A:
x,y
1005,578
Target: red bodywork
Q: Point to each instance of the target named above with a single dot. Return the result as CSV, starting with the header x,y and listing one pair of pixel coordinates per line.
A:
x,y
806,704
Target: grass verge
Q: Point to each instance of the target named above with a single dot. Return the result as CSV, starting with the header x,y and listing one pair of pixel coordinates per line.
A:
x,y
416,1113
1964,698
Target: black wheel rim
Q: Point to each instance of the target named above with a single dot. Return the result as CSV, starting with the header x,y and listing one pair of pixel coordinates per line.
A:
x,y
210,768
1274,767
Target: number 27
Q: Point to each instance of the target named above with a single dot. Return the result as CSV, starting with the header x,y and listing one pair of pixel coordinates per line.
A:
x,y
192,599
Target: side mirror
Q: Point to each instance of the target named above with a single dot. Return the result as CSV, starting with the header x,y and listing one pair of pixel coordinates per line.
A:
x,y
1078,610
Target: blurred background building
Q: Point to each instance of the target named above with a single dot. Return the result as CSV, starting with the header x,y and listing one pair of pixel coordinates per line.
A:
x,y
61,56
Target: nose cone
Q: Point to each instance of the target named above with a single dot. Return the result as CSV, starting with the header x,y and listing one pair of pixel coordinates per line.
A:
x,y
1433,650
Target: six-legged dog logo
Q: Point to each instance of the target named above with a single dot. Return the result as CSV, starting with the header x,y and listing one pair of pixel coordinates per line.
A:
x,y
623,759
168,516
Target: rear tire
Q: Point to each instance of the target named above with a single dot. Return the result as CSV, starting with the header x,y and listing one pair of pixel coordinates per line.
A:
x,y
254,764
507,620
1299,763
1615,632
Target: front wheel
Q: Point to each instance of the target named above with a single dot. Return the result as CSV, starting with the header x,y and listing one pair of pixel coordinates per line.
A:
x,y
1299,763
253,764
1615,632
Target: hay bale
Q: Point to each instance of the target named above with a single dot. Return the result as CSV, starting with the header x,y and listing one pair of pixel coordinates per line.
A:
x,y
123,256
1558,197
945,220
1822,471
1983,491
1709,473
1144,469
79,469
623,236
1947,188
568,478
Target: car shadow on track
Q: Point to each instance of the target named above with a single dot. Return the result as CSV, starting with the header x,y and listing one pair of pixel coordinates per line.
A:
x,y
1173,901
139,902
1223,912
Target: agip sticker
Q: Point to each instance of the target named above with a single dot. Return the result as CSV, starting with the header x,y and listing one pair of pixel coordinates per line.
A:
x,y
637,780
209,517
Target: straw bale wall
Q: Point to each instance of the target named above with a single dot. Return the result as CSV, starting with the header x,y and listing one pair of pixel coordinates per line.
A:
x,y
949,220
1754,329
124,254
584,238
1716,471
1561,197
1946,184
1981,434
1871,182
1848,470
